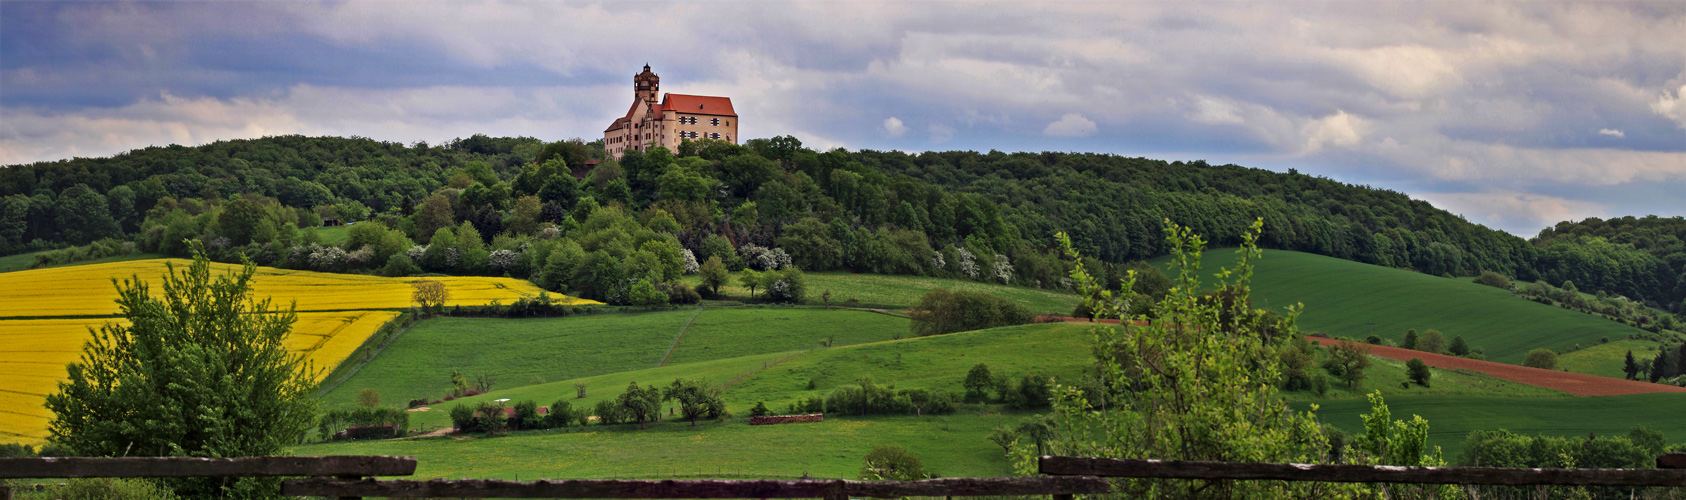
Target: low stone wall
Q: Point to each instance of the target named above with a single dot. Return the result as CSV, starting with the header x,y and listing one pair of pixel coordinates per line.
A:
x,y
785,419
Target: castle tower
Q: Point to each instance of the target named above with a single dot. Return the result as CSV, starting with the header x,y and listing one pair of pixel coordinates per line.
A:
x,y
646,85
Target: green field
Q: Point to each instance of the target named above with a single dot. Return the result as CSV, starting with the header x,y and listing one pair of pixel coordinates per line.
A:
x,y
333,235
1451,418
895,291
936,362
953,446
724,333
22,261
1608,359
522,352
1350,299
1387,376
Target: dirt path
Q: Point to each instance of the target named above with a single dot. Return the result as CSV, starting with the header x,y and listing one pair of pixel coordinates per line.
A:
x,y
1579,384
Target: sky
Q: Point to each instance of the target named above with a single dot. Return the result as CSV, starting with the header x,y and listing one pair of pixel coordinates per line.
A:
x,y
1516,115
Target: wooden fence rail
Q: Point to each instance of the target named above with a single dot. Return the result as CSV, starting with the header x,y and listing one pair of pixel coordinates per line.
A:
x,y
612,488
72,467
1185,469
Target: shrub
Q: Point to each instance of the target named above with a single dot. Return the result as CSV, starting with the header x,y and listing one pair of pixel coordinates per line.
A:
x,y
1418,371
608,412
1458,347
1410,341
1432,341
941,311
978,383
527,416
368,398
760,409
489,418
1541,358
1373,340
462,418
15,450
1493,279
893,463
787,285
561,414
680,293
1034,391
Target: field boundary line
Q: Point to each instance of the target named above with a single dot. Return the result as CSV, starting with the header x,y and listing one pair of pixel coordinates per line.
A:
x,y
374,352
752,372
681,336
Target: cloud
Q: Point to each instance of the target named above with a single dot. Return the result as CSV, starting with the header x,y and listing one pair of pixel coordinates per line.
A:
x,y
1339,129
894,127
1611,132
1071,125
1672,106
1520,213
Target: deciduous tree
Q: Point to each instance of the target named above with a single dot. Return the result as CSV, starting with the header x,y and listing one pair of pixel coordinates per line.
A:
x,y
200,369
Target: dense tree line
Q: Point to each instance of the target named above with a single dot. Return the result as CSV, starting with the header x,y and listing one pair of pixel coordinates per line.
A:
x,y
981,216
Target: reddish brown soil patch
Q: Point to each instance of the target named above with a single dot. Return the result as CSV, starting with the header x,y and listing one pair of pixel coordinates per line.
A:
x,y
1579,384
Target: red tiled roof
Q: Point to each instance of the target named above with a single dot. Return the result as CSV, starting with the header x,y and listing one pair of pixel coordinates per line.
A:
x,y
698,104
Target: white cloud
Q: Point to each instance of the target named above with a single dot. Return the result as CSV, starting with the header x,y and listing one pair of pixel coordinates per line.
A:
x,y
894,127
1339,129
1672,106
1611,132
941,133
1071,125
1515,211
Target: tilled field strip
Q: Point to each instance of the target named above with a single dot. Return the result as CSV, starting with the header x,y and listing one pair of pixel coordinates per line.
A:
x,y
1579,384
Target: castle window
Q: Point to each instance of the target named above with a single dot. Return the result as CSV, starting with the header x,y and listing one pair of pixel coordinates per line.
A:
x,y
715,135
714,121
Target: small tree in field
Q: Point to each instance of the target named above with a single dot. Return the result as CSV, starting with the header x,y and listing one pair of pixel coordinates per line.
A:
x,y
1541,358
893,463
1418,371
750,279
430,295
368,398
1432,341
640,404
713,275
1631,366
696,399
1458,347
199,370
1410,341
1347,361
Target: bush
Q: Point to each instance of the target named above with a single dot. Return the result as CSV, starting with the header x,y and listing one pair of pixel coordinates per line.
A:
x,y
760,409
786,285
608,412
1418,371
1033,392
941,311
527,416
893,463
1541,358
1410,341
680,293
1458,347
15,450
462,418
1373,340
561,414
1432,341
1493,279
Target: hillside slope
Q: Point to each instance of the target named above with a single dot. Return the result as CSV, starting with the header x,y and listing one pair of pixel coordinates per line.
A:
x,y
1351,299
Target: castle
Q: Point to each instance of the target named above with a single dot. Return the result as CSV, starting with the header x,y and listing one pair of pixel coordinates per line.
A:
x,y
678,117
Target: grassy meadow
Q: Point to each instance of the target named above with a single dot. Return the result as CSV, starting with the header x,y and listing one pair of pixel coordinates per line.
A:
x,y
900,292
951,445
1608,359
531,351
1451,418
1351,299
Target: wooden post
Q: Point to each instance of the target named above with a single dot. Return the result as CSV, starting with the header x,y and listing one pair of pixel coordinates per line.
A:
x,y
1062,497
836,491
1671,461
5,493
350,478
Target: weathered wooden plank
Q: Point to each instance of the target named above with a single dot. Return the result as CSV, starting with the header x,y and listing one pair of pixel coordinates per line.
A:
x,y
349,465
611,488
1671,461
1181,469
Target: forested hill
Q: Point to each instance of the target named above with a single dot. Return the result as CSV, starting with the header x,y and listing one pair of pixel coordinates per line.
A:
x,y
866,210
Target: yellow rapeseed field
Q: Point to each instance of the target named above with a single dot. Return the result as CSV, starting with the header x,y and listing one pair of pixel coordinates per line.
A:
x,y
39,333
43,292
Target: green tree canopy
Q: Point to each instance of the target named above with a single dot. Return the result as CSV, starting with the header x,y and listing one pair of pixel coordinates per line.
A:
x,y
200,370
